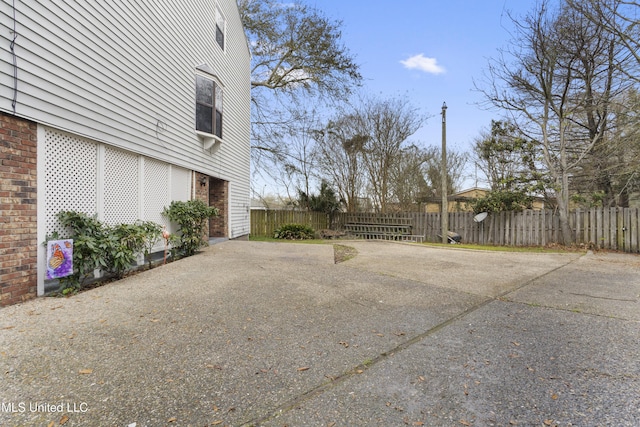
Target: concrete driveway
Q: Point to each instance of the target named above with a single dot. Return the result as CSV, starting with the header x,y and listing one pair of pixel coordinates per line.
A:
x,y
270,334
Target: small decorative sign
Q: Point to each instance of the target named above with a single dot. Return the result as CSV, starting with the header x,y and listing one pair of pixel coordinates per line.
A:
x,y
59,258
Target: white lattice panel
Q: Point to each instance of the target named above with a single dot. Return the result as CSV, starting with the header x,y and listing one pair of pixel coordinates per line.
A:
x,y
121,205
180,184
156,190
71,165
79,172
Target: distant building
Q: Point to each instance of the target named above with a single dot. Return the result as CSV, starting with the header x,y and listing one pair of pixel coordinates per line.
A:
x,y
462,201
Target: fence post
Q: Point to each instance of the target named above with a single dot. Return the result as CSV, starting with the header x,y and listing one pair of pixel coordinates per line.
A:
x,y
543,226
634,229
621,229
579,223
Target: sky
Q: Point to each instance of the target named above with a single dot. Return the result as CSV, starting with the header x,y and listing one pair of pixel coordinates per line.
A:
x,y
431,51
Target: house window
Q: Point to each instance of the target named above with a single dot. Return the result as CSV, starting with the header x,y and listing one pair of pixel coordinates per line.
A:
x,y
208,106
220,27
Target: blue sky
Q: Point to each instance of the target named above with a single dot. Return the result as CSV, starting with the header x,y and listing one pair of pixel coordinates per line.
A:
x,y
430,51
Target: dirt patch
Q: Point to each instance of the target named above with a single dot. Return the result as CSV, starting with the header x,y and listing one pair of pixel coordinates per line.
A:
x,y
342,253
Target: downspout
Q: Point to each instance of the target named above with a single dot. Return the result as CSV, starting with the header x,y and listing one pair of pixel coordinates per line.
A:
x,y
12,47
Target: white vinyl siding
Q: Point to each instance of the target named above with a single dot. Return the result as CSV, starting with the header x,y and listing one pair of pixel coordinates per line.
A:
x,y
220,27
122,73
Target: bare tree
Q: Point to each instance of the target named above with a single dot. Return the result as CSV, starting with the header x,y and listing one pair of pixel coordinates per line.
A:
x,y
408,183
298,156
558,82
456,163
293,166
365,152
620,18
611,172
296,52
386,124
339,153
627,132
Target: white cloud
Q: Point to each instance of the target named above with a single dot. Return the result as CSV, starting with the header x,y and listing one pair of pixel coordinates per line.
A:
x,y
422,63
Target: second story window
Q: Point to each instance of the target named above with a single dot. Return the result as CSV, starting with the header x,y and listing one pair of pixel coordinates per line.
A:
x,y
208,106
220,27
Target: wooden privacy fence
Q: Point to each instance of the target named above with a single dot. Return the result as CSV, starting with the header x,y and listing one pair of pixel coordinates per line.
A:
x,y
605,228
265,222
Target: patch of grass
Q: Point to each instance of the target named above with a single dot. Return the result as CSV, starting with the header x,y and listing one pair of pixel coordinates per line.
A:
x,y
529,249
342,253
271,239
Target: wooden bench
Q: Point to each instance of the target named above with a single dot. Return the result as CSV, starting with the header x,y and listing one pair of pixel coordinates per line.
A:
x,y
401,232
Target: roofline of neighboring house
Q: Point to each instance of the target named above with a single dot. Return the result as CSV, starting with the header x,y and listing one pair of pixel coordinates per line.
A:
x,y
470,189
488,190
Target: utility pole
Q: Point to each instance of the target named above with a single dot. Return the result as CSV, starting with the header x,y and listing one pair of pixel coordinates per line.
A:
x,y
443,177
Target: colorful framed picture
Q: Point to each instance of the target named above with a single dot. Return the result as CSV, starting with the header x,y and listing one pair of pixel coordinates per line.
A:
x,y
59,258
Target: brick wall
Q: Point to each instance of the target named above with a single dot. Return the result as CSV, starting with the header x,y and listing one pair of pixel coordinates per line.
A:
x,y
202,193
18,216
219,198
214,192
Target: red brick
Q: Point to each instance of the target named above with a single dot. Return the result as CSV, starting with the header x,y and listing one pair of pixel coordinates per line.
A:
x,y
29,142
10,277
19,170
9,201
9,162
14,300
9,263
13,288
19,292
22,244
5,299
9,175
18,212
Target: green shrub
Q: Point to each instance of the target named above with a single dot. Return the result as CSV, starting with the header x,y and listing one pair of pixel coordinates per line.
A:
x,y
192,218
114,249
503,200
89,246
294,232
124,243
153,232
96,245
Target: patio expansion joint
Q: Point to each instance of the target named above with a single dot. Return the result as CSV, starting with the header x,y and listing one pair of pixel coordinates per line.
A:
x,y
362,368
